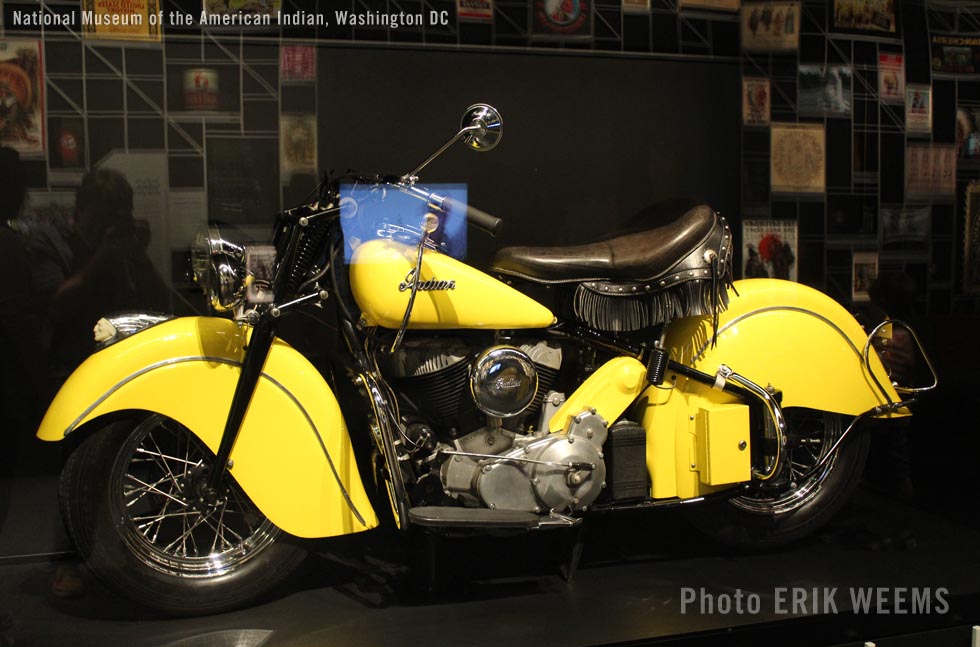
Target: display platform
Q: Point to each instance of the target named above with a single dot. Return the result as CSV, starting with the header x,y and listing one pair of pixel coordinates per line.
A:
x,y
643,578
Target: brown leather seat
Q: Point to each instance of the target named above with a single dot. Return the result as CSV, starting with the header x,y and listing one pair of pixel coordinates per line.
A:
x,y
635,257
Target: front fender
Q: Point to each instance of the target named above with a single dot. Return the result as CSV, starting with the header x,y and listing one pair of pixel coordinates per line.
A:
x,y
293,456
792,337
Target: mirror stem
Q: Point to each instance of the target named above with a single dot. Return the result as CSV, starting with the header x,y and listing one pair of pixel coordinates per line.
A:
x,y
410,178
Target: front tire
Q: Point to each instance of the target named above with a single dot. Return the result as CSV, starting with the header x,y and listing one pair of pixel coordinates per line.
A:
x,y
130,502
799,503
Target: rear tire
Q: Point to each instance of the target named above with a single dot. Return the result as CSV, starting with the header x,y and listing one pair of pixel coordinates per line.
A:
x,y
780,515
128,499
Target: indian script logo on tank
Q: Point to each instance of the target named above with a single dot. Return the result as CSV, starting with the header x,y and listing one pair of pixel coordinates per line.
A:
x,y
562,16
429,285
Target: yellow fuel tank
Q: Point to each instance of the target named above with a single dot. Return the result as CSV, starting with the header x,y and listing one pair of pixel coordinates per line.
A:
x,y
451,294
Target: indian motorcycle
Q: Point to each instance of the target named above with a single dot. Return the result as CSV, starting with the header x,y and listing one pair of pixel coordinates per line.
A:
x,y
204,447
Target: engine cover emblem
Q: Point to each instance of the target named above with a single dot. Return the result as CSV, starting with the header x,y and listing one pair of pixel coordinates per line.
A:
x,y
503,381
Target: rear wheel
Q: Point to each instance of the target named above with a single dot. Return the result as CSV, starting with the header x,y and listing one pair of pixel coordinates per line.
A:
x,y
799,501
132,500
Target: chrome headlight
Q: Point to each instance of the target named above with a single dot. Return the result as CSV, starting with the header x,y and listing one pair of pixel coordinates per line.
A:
x,y
219,269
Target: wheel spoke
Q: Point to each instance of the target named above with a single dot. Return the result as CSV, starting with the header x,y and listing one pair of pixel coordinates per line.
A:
x,y
222,527
164,515
219,531
151,488
243,512
159,521
165,457
182,539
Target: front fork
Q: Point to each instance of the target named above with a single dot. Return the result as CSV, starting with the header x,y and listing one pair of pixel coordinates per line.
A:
x,y
256,352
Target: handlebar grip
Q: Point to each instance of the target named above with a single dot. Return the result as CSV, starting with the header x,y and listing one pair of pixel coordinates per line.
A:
x,y
479,219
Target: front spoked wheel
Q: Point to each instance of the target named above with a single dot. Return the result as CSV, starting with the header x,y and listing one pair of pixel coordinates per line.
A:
x,y
135,503
800,499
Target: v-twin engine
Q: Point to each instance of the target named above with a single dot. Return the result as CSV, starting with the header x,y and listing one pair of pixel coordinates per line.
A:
x,y
541,472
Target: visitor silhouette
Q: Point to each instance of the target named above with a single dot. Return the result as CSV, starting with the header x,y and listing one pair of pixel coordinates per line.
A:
x,y
111,269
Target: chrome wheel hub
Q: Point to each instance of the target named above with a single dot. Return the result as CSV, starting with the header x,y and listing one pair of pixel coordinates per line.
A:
x,y
810,435
167,517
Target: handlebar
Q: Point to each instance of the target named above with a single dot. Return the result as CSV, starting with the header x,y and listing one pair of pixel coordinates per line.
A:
x,y
479,219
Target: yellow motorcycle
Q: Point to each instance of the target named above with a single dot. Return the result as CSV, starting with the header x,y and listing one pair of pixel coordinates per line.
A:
x,y
641,376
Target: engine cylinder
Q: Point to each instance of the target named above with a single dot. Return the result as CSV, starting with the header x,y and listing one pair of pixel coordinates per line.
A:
x,y
503,381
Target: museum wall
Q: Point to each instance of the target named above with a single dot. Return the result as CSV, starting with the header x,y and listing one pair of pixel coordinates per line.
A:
x,y
617,122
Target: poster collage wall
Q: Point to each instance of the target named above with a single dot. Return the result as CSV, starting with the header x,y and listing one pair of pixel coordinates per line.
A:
x,y
798,148
58,139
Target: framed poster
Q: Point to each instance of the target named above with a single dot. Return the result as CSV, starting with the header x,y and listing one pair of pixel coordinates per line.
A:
x,y
22,95
905,226
770,26
236,15
67,159
864,271
769,249
918,108
955,54
212,92
564,19
968,133
721,5
474,10
871,17
930,169
202,89
797,162
297,64
756,101
135,20
297,145
825,90
891,78
971,239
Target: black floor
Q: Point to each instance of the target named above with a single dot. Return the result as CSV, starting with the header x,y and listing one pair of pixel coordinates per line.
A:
x,y
507,591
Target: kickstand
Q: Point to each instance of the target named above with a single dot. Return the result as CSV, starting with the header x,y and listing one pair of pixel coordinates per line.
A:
x,y
574,542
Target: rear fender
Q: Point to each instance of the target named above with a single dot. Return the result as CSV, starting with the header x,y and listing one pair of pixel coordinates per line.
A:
x,y
794,338
775,333
293,456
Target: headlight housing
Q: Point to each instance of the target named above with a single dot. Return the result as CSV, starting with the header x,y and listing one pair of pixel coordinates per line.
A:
x,y
219,269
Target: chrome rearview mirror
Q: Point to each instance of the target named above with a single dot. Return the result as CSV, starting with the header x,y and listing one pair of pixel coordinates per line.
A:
x,y
482,126
480,129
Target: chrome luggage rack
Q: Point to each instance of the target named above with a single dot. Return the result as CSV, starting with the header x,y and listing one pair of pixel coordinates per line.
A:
x,y
877,332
